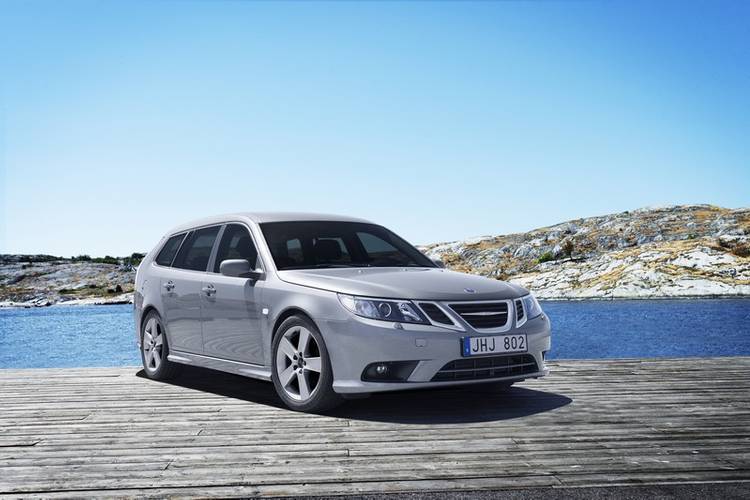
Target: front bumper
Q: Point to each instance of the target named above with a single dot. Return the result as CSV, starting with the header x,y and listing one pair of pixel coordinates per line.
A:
x,y
357,342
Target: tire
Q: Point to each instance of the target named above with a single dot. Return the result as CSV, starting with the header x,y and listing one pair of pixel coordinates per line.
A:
x,y
155,349
301,371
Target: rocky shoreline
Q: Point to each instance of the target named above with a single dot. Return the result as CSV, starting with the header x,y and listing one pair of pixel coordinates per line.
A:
x,y
43,280
128,299
695,251
100,301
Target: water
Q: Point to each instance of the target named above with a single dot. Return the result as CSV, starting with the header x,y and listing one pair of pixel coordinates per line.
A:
x,y
103,335
649,328
65,336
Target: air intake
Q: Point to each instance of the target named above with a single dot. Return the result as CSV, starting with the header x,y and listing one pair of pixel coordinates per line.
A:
x,y
487,367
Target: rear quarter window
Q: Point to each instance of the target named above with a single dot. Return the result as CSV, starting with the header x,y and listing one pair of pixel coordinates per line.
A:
x,y
169,250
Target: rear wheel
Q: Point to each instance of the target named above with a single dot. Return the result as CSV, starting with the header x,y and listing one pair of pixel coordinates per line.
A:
x,y
155,349
302,373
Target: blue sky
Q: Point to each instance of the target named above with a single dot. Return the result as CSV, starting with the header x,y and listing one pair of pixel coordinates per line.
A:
x,y
439,120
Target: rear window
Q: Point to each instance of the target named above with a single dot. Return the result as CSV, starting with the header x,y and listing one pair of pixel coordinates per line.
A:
x,y
169,250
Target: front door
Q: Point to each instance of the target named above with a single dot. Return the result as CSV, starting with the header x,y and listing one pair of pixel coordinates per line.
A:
x,y
232,305
181,290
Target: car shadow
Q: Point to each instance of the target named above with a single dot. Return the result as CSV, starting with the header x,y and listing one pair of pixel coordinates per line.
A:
x,y
450,405
223,384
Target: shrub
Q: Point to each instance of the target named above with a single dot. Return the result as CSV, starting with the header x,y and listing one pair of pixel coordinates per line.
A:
x,y
567,248
735,247
135,258
545,257
450,259
741,250
107,259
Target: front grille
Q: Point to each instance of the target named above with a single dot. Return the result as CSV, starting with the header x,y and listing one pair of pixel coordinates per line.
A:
x,y
483,315
519,310
435,313
486,367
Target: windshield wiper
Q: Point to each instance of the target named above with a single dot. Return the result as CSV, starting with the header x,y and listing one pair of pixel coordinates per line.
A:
x,y
329,266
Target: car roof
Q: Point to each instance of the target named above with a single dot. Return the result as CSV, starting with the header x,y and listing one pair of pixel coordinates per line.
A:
x,y
262,217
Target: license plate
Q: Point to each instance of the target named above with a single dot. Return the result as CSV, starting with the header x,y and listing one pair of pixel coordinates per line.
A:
x,y
498,344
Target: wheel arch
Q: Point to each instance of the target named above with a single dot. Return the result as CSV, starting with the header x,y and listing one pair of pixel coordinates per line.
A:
x,y
146,311
144,314
288,313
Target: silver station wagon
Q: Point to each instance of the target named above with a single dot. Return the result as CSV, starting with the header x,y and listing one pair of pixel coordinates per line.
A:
x,y
325,307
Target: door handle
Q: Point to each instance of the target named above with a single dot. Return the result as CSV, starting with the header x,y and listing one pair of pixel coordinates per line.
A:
x,y
169,285
209,290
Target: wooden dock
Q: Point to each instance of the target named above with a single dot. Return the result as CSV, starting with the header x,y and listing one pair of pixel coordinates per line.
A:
x,y
110,432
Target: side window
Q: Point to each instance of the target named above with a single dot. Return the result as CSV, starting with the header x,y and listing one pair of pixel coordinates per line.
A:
x,y
236,243
196,250
169,250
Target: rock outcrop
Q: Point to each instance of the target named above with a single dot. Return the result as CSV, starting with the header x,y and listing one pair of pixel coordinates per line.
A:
x,y
37,280
679,251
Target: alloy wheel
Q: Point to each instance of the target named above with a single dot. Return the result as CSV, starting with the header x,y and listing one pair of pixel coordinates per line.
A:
x,y
153,345
298,363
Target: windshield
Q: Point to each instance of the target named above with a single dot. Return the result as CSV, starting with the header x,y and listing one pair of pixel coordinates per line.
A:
x,y
327,244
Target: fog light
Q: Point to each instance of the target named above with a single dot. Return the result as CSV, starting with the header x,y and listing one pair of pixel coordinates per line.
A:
x,y
388,371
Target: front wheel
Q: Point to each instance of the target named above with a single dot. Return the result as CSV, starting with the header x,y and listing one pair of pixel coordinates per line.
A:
x,y
302,372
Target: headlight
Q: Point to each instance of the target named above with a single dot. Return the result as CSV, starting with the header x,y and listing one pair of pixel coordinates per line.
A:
x,y
531,306
401,311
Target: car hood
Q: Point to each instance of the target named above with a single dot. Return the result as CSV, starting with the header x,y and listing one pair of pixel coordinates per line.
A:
x,y
404,283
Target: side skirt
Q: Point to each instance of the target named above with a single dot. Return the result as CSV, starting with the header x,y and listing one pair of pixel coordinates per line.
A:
x,y
224,365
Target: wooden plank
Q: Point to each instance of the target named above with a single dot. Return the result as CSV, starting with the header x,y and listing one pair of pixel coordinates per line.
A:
x,y
86,432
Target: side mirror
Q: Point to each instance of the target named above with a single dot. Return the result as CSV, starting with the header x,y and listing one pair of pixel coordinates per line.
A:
x,y
239,268
439,263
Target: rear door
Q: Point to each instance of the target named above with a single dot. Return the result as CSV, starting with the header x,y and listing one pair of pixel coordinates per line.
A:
x,y
181,290
232,305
